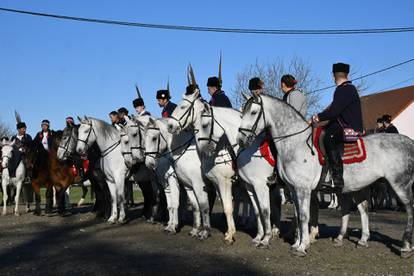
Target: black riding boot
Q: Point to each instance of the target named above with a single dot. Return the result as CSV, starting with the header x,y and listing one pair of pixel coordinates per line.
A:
x,y
49,200
337,169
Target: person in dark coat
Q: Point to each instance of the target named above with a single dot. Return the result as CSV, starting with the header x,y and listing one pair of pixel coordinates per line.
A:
x,y
218,97
163,98
344,111
388,126
43,144
23,141
380,126
122,113
114,117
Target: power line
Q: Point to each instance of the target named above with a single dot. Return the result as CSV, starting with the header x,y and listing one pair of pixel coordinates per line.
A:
x,y
396,84
367,75
219,29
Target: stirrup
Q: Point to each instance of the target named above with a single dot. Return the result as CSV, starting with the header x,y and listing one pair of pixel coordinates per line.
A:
x,y
272,180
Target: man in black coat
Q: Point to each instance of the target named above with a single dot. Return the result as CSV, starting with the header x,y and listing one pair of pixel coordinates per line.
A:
x,y
163,98
218,97
344,111
388,126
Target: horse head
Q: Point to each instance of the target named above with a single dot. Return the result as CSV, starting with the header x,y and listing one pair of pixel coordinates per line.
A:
x,y
67,145
253,122
6,152
155,142
209,132
86,135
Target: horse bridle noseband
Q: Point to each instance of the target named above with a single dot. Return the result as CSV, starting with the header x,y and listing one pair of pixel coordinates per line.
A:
x,y
210,136
189,112
107,150
65,147
156,154
139,147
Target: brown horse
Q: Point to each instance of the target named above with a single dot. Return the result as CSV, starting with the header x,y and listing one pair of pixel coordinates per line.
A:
x,y
52,173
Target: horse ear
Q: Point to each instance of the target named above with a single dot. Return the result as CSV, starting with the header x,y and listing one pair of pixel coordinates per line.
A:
x,y
118,127
151,120
207,107
127,119
245,96
79,119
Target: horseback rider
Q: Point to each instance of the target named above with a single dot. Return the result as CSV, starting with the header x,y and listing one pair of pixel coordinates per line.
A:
x,y
139,106
43,144
388,126
344,111
256,86
218,97
297,100
114,117
23,140
380,126
122,113
163,98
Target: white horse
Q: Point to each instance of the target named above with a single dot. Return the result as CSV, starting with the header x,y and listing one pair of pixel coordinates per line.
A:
x,y
8,153
388,155
113,166
178,153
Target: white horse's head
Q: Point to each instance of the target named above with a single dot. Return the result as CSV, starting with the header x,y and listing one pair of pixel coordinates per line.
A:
x,y
252,123
67,145
6,152
86,135
155,143
209,131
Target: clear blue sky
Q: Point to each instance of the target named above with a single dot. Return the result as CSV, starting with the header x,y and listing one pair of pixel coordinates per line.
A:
x,y
53,68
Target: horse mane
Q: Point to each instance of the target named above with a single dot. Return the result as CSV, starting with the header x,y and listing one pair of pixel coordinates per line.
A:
x,y
107,130
254,100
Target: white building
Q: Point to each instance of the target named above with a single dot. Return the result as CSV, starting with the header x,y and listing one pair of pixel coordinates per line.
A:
x,y
399,103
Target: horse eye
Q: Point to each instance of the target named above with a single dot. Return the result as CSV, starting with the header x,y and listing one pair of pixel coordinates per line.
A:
x,y
204,126
134,135
154,139
254,112
182,107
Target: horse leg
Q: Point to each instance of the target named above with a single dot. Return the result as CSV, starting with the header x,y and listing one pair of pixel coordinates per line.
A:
x,y
405,193
17,198
202,198
363,210
120,192
84,193
345,201
276,201
255,204
303,200
263,197
114,207
314,216
5,196
225,189
196,212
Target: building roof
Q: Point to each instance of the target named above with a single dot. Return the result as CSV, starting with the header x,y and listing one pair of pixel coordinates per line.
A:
x,y
391,102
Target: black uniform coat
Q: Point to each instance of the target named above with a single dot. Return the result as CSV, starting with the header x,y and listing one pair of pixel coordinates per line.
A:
x,y
168,110
220,99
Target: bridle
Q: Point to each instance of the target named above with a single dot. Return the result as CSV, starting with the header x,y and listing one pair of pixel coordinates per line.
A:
x,y
189,112
155,154
65,147
140,147
278,138
210,136
8,158
86,141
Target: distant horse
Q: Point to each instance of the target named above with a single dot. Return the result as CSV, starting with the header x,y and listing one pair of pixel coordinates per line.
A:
x,y
52,173
67,151
12,173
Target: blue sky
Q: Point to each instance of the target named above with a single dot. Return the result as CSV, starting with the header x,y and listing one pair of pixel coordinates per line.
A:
x,y
53,68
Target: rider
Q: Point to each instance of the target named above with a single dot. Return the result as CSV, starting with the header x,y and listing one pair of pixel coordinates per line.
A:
x,y
380,126
23,140
345,110
122,113
218,98
297,100
139,106
388,126
70,122
114,117
256,86
43,144
163,98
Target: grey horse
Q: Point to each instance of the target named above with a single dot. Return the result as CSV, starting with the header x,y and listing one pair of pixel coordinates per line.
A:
x,y
390,156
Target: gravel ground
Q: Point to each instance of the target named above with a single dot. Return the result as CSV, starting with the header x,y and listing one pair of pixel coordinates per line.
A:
x,y
80,244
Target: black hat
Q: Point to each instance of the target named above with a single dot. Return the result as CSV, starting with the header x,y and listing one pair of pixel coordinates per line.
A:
x,y
163,94
380,120
255,84
190,89
138,102
113,113
45,122
123,110
20,125
213,82
340,68
386,118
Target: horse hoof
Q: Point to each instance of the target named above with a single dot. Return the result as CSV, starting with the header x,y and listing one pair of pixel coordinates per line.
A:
x,y
275,233
298,253
406,252
121,221
362,244
337,242
3,214
17,214
229,241
264,245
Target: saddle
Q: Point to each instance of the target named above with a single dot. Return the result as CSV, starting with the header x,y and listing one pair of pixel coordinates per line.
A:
x,y
353,152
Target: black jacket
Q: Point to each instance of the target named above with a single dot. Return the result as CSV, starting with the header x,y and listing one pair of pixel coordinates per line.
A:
x,y
391,129
168,110
220,99
24,143
346,106
39,137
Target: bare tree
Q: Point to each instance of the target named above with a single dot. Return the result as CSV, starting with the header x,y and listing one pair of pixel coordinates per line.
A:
x,y
272,72
4,129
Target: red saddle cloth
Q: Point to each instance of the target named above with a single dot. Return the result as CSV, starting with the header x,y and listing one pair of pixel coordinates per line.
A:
x,y
266,153
85,164
353,152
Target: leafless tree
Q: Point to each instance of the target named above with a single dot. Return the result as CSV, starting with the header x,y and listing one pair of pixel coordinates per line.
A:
x,y
4,129
271,74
